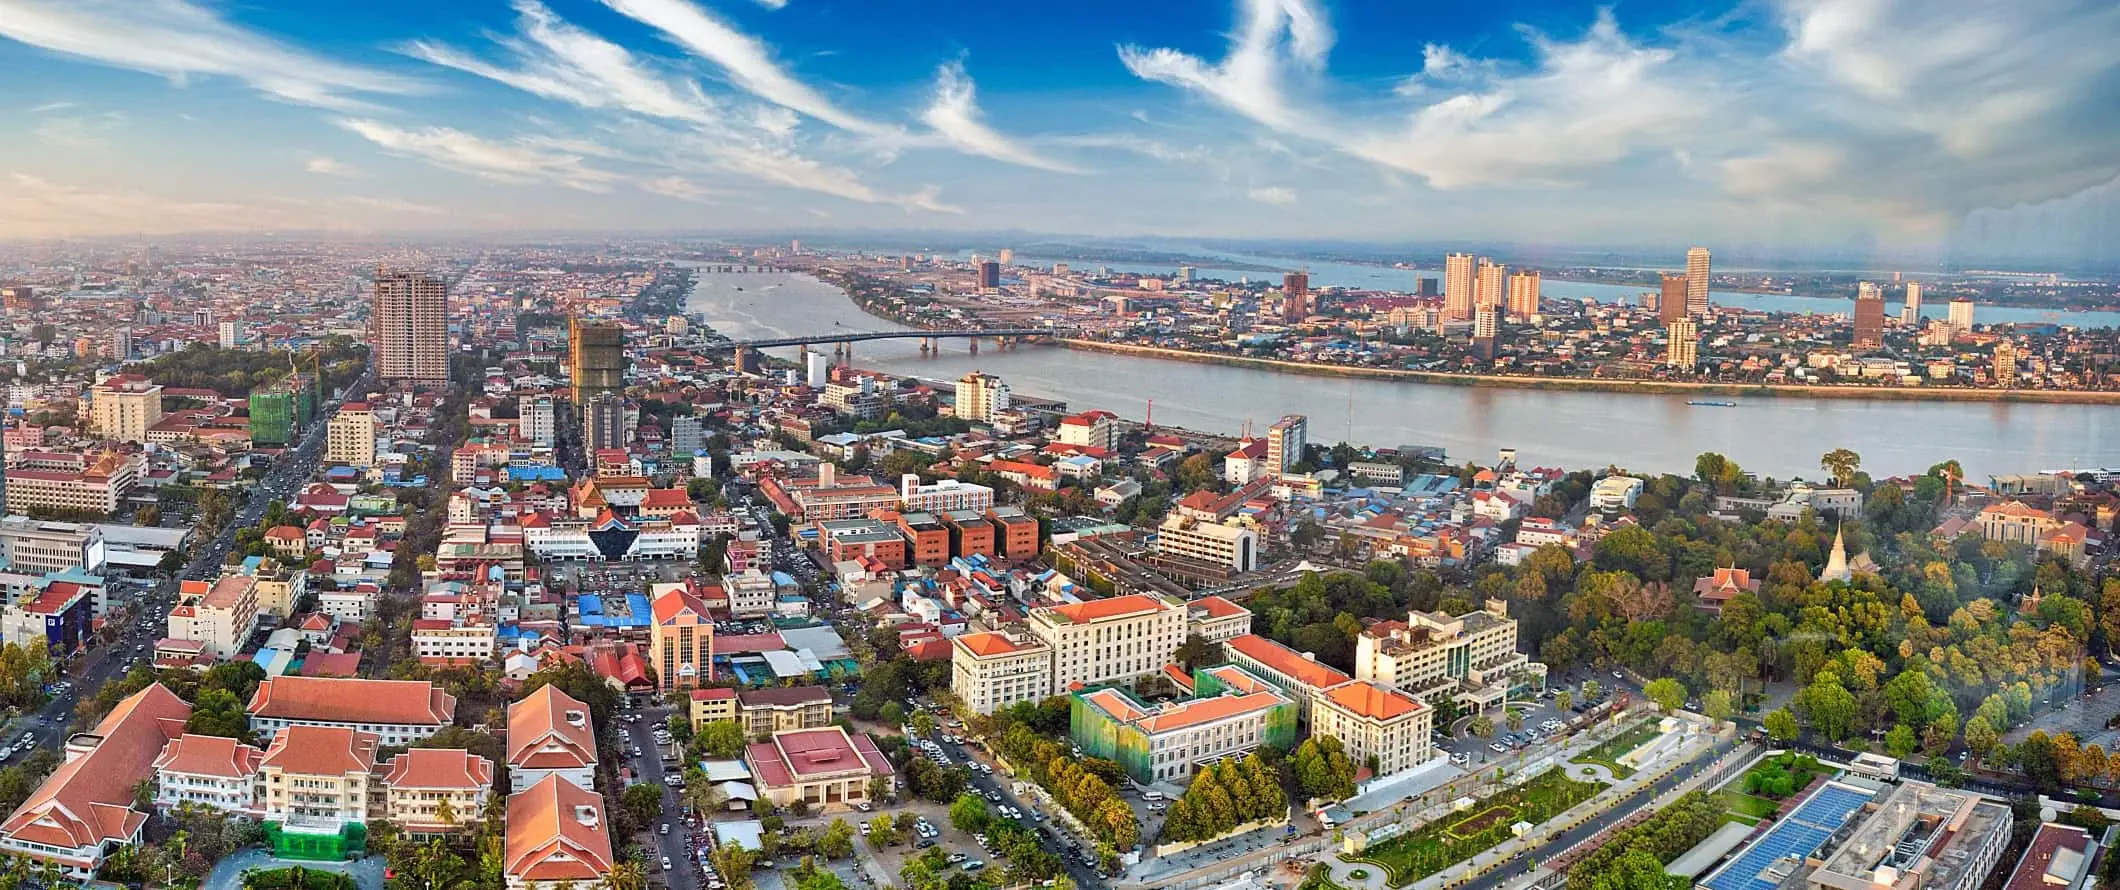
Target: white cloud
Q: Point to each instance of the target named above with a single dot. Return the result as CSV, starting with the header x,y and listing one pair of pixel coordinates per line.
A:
x,y
393,205
1275,195
955,115
50,107
32,206
323,166
556,60
1273,35
773,4
511,162
178,40
793,171
676,187
746,60
91,133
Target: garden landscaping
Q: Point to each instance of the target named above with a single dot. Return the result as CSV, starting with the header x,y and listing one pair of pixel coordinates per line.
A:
x,y
1441,844
1608,754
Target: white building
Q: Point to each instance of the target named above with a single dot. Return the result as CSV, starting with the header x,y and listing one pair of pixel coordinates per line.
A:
x,y
942,496
1615,493
208,771
350,438
220,616
993,670
33,547
538,420
1231,546
1472,658
399,712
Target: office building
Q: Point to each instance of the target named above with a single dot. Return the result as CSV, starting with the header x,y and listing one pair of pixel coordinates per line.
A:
x,y
350,439
681,640
603,422
1917,837
220,616
550,734
1458,283
92,483
408,327
1229,713
1523,295
1489,284
1869,316
1285,442
31,546
783,708
557,838
980,396
540,417
596,358
400,711
1299,674
1470,659
1682,345
1113,640
1373,720
125,407
942,496
1090,429
993,670
1910,314
1233,547
1697,266
687,435
817,369
1295,297
989,275
1961,314
84,811
1671,298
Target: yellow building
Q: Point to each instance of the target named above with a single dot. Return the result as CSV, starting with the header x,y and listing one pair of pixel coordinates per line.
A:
x,y
993,670
350,438
125,407
1472,658
1374,720
1110,640
316,778
418,782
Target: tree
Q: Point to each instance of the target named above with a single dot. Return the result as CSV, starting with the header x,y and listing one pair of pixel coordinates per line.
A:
x,y
1481,726
219,713
1666,693
1564,700
1841,463
1781,725
968,813
719,739
1196,652
1832,709
1515,720
1717,704
892,713
882,832
734,864
644,802
1590,689
626,874
837,842
923,724
1899,741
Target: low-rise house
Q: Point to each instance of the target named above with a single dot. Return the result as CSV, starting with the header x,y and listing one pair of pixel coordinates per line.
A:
x,y
84,811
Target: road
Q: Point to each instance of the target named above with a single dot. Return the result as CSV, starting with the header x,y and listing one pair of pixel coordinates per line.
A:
x,y
676,847
1059,839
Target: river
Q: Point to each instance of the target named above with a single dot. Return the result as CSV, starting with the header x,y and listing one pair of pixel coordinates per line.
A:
x,y
1781,437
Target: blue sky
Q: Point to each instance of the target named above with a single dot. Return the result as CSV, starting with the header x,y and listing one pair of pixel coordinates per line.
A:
x,y
1904,123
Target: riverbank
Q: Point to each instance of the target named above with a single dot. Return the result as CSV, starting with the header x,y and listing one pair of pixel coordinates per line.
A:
x,y
1582,384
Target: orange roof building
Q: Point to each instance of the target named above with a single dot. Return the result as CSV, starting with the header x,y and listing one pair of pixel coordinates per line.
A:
x,y
556,835
680,639
418,782
316,778
400,712
1230,714
550,733
84,810
208,771
1297,673
1374,720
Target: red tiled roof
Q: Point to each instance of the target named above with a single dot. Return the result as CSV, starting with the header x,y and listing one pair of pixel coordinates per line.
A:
x,y
557,833
88,799
321,751
209,755
321,700
1287,662
1114,607
549,729
448,768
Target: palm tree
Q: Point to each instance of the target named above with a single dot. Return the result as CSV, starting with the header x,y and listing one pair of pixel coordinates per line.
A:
x,y
445,813
626,874
1516,720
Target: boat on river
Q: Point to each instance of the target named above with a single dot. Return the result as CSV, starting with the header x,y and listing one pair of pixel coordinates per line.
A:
x,y
1711,403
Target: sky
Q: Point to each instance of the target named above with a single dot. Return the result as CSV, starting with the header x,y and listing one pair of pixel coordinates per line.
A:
x,y
1973,126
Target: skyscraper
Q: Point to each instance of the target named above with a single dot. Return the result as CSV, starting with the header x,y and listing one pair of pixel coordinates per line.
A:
x,y
1697,282
1490,285
1295,296
596,358
1869,316
1671,300
1910,314
1961,314
1285,441
408,326
1683,348
2005,363
989,275
231,336
980,396
1008,256
1486,327
1457,287
121,344
1523,295
603,422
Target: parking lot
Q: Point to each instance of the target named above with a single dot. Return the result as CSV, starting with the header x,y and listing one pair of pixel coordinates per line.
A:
x,y
1542,721
625,575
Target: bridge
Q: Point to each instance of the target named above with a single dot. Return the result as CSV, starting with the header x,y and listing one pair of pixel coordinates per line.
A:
x,y
843,341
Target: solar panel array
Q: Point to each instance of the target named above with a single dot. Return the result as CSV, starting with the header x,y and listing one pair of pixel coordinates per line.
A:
x,y
1799,835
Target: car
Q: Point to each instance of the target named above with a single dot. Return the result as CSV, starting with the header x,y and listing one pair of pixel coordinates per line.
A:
x,y
926,842
1618,676
665,828
864,829
1497,748
1155,808
863,807
666,863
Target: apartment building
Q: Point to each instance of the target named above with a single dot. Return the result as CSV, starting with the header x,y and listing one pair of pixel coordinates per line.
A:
x,y
97,486
1217,619
123,408
209,771
549,735
993,670
681,640
1231,546
942,496
453,642
315,779
349,440
33,547
220,616
408,326
83,811
557,837
398,712
1285,443
751,594
1374,720
779,709
1471,658
1017,532
1090,429
1230,712
436,790
1109,640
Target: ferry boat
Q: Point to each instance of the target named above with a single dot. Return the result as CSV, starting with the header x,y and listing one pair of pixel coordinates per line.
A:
x,y
1711,403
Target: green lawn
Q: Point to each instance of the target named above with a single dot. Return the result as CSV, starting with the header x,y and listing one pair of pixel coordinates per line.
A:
x,y
1439,844
1608,754
1753,808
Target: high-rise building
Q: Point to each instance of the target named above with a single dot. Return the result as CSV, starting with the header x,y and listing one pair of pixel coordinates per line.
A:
x,y
1008,256
1458,282
121,344
540,420
1427,287
1683,348
596,358
980,396
1523,295
817,370
604,422
1697,282
1961,316
1869,316
1910,314
681,647
1489,285
408,326
1295,296
2005,363
1671,299
350,439
231,337
989,275
125,407
1486,326
1185,273
687,435
1285,441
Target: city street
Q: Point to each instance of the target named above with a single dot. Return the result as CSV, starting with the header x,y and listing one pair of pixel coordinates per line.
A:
x,y
680,846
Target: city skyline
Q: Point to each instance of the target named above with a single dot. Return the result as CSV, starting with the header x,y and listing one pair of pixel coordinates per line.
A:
x,y
1792,122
